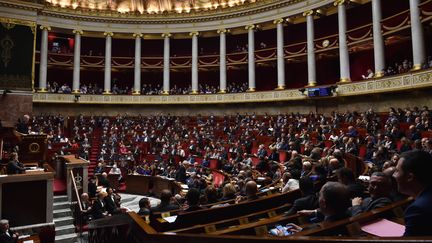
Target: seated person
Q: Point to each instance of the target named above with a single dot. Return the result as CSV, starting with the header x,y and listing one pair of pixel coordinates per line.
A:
x,y
115,170
92,187
192,199
346,177
112,202
86,207
14,166
251,190
379,189
103,180
99,207
165,204
413,178
99,168
144,205
7,235
334,201
309,199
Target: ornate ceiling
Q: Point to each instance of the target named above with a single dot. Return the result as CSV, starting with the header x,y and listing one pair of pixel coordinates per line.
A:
x,y
150,6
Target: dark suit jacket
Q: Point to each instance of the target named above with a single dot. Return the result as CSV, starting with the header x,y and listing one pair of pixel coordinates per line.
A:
x,y
368,204
419,214
4,238
98,209
14,168
308,202
110,205
181,174
164,208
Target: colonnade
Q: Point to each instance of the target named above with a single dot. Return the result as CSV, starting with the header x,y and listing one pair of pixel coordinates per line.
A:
x,y
379,53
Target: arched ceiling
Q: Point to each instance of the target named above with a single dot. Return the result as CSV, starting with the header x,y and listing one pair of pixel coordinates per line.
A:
x,y
150,6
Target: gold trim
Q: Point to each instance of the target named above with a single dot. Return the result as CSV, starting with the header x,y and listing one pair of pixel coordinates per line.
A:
x,y
379,74
344,80
45,27
278,21
222,91
34,148
43,90
165,92
416,67
223,30
311,84
251,90
340,2
309,12
194,33
76,91
136,92
106,92
166,35
111,34
194,92
280,87
137,35
80,32
250,27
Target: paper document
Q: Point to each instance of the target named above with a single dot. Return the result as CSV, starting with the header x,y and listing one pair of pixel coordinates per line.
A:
x,y
384,228
170,219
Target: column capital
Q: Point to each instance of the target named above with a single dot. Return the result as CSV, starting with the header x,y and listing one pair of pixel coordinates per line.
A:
x,y
80,32
45,27
194,33
340,2
309,12
111,34
278,21
251,27
166,35
223,30
137,35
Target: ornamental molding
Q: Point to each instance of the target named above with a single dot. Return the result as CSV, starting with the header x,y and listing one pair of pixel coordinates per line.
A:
x,y
406,82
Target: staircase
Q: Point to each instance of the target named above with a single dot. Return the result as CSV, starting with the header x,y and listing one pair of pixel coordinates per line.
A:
x,y
95,150
63,220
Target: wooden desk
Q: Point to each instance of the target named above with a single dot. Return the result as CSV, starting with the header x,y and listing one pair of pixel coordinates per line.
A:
x,y
72,163
27,198
139,184
34,238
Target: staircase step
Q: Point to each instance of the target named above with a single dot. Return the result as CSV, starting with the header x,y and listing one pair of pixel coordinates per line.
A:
x,y
58,213
60,199
67,238
64,230
68,220
61,205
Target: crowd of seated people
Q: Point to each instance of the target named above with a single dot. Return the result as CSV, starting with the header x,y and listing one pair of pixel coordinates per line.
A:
x,y
398,68
248,147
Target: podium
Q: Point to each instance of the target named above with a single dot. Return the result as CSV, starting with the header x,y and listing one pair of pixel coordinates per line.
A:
x,y
27,199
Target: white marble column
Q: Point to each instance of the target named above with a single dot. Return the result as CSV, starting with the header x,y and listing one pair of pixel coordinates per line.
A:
x,y
251,56
222,61
310,47
43,67
77,61
379,55
108,47
85,178
137,66
194,62
166,63
418,45
280,54
344,64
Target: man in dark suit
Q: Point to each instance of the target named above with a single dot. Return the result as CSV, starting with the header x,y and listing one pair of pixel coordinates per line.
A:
x,y
181,172
99,207
308,201
379,189
165,204
413,178
14,166
7,235
110,202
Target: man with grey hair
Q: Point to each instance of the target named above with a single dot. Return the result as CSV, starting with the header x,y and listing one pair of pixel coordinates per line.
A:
x,y
7,235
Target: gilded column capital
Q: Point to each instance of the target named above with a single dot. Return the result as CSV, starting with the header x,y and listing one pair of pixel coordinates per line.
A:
x,y
194,33
250,27
45,27
166,35
137,35
223,30
278,21
80,32
111,34
309,12
340,2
